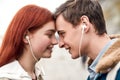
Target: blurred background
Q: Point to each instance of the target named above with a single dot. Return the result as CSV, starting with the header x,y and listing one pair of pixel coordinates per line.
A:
x,y
60,66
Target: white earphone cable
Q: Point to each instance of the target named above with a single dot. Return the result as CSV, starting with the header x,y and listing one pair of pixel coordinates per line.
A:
x,y
32,49
80,43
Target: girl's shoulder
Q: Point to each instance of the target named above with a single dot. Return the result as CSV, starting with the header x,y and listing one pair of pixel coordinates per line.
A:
x,y
5,79
12,71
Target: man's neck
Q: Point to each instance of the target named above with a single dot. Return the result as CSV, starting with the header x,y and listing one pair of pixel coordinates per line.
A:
x,y
97,44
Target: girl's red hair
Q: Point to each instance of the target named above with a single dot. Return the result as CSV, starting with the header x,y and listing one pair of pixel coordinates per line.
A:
x,y
30,17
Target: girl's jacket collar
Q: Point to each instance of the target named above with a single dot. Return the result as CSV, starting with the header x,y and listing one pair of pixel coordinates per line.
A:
x,y
14,71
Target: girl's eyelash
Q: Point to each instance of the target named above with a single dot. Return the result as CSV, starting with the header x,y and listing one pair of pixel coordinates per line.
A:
x,y
49,35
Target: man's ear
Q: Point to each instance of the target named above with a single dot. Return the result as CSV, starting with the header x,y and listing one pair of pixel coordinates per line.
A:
x,y
85,19
85,23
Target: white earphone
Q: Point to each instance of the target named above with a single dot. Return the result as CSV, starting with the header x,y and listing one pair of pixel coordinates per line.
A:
x,y
28,39
83,27
81,38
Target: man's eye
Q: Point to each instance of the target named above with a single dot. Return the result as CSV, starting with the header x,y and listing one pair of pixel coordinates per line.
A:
x,y
62,34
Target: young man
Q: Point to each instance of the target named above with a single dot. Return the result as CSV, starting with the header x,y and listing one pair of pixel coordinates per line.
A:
x,y
82,31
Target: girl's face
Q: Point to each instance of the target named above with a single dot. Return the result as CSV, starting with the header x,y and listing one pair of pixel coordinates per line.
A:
x,y
43,40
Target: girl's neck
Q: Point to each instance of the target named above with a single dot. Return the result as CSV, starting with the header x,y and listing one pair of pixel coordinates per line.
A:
x,y
28,65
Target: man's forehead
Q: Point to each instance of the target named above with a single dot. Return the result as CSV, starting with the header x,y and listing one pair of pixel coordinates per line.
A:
x,y
60,20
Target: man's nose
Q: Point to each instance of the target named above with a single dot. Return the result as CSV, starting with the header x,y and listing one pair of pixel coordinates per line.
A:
x,y
61,44
55,41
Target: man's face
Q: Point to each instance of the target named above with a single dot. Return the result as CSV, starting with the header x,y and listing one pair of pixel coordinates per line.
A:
x,y
69,36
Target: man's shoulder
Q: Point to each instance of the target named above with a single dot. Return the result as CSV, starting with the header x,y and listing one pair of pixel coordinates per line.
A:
x,y
114,74
118,75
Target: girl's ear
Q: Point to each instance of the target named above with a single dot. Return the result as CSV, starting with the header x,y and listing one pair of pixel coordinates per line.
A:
x,y
24,37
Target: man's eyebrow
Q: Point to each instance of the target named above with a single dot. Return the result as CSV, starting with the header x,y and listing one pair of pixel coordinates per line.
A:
x,y
60,31
52,30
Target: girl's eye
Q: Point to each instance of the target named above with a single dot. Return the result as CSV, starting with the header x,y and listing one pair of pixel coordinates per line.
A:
x,y
49,35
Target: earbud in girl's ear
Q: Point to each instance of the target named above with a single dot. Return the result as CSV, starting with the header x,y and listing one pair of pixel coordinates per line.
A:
x,y
27,37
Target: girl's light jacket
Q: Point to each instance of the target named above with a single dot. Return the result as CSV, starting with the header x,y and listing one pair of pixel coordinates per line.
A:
x,y
14,71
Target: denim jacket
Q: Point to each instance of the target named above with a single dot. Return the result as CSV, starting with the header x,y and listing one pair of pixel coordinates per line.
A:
x,y
108,62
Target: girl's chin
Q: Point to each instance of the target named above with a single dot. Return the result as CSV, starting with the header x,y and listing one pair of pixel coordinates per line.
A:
x,y
47,54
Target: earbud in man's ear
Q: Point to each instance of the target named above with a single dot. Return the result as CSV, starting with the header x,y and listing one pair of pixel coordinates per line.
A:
x,y
83,27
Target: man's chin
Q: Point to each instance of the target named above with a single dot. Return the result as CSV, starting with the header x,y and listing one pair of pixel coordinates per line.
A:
x,y
47,56
74,57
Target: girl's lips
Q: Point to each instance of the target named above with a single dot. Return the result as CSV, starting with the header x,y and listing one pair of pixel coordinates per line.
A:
x,y
50,48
